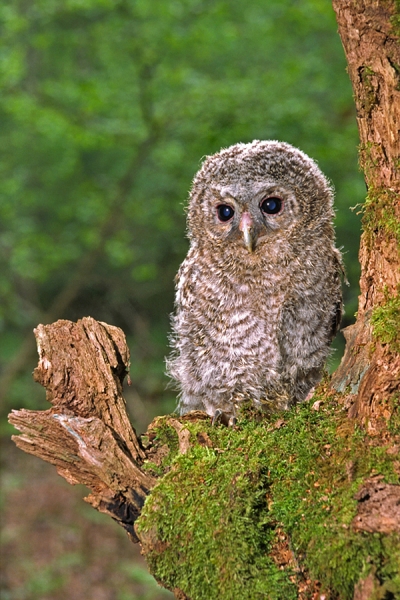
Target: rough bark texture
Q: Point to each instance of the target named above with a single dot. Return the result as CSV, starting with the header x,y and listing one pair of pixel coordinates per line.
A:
x,y
378,507
370,366
87,434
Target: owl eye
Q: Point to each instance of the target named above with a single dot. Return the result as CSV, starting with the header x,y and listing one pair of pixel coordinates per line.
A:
x,y
271,206
225,212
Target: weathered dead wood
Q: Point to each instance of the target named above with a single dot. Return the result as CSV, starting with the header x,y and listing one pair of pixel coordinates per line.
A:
x,y
87,434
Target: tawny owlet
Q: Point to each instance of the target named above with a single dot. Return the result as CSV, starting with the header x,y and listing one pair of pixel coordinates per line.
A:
x,y
258,296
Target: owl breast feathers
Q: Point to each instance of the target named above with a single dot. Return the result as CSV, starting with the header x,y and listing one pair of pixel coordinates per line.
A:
x,y
258,297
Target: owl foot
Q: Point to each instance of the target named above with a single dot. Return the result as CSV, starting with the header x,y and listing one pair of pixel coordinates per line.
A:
x,y
222,418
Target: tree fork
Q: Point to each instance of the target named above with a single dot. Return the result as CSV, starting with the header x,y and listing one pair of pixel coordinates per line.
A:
x,y
371,365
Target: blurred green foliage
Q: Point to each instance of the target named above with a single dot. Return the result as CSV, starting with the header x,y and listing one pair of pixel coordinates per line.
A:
x,y
107,109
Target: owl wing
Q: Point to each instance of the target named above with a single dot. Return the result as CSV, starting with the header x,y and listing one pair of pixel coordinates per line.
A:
x,y
311,315
185,281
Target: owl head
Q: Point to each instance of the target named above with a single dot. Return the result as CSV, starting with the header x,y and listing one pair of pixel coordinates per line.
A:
x,y
252,195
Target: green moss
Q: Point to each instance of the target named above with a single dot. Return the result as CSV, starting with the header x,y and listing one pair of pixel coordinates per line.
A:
x,y
379,213
396,68
395,19
369,98
385,321
218,510
219,529
164,438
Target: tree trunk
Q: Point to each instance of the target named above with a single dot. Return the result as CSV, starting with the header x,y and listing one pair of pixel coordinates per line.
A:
x,y
371,366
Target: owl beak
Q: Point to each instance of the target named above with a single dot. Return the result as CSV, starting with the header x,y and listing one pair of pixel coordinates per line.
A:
x,y
246,226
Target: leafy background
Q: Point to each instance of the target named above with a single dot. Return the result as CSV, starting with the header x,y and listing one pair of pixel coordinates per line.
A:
x,y
107,108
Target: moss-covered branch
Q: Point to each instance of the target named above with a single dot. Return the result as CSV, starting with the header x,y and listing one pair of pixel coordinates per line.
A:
x,y
270,508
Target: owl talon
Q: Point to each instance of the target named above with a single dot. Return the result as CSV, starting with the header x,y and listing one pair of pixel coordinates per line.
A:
x,y
218,417
221,418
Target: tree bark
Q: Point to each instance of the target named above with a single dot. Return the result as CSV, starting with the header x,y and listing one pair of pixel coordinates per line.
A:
x,y
87,434
370,369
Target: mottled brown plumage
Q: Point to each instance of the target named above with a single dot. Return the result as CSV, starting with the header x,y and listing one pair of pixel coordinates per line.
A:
x,y
258,296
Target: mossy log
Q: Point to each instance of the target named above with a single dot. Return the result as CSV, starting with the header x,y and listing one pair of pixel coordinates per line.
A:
x,y
298,505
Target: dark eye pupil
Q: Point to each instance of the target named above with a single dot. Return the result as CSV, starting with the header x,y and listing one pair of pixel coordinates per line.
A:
x,y
225,212
271,206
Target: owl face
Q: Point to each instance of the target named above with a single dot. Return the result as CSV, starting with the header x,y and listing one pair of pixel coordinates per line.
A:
x,y
254,195
252,213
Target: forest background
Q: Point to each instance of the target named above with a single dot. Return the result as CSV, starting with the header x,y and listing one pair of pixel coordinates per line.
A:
x,y
107,109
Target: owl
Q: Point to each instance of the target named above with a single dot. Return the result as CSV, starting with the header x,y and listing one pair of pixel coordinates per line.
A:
x,y
258,297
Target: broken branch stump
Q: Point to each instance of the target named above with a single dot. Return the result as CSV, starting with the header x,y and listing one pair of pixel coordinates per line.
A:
x,y
87,434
